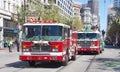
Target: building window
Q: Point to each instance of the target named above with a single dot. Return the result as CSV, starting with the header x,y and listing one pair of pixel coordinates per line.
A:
x,y
13,7
58,3
4,4
9,7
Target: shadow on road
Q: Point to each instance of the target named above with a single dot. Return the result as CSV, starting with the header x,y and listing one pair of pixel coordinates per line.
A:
x,y
48,65
18,64
110,62
22,64
112,47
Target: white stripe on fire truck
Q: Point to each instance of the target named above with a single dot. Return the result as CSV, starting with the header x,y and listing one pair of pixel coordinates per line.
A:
x,y
51,53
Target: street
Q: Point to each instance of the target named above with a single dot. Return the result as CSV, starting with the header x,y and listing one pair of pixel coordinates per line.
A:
x,y
108,61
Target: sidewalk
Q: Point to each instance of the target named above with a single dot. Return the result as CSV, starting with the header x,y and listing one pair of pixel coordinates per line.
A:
x,y
7,49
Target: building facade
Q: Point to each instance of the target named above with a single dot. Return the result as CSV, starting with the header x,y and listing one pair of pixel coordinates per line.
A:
x,y
116,3
93,4
87,19
66,7
7,16
76,10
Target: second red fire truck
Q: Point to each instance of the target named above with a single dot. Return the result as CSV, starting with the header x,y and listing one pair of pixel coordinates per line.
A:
x,y
48,40
89,42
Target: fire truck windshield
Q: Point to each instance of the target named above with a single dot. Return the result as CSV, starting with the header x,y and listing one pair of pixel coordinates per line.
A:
x,y
46,33
52,33
31,33
87,36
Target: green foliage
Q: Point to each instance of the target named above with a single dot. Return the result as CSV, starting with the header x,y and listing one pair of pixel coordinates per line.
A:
x,y
47,12
114,27
77,23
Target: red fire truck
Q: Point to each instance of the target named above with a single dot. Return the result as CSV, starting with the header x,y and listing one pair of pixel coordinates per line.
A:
x,y
48,40
89,42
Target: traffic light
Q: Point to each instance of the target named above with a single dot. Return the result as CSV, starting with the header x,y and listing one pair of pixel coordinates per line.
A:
x,y
103,33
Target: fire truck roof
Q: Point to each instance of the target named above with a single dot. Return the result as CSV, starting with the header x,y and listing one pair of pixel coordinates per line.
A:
x,y
42,24
90,32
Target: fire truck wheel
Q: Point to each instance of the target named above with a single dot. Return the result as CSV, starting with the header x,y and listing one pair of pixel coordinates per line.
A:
x,y
74,56
31,63
79,53
98,52
64,63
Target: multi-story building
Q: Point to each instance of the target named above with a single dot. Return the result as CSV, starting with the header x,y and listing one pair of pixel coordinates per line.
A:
x,y
76,9
94,20
116,3
66,7
7,16
93,4
87,16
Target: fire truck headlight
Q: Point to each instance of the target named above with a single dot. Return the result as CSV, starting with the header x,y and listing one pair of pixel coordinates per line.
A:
x,y
55,50
56,46
23,46
25,50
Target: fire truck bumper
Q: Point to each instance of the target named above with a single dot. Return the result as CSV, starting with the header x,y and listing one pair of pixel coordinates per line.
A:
x,y
49,57
41,58
88,50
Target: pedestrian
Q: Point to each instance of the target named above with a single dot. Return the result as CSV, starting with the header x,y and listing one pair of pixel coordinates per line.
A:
x,y
18,45
9,45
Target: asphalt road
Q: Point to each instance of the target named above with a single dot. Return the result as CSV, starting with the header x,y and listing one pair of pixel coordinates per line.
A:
x,y
108,61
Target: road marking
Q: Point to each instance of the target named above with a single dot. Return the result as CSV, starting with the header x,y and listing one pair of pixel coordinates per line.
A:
x,y
90,64
70,62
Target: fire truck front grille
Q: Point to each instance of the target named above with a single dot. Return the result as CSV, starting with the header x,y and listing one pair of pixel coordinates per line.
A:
x,y
35,48
45,48
85,44
38,48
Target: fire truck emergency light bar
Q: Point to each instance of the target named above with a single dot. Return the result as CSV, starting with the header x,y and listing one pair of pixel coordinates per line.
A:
x,y
31,20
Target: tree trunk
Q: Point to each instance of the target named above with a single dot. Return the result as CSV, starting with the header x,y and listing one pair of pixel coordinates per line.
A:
x,y
116,41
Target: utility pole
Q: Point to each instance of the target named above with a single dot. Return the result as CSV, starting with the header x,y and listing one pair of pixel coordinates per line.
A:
x,y
24,8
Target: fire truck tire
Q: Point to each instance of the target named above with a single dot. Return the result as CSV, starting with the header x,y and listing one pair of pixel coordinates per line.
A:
x,y
98,52
64,63
74,56
79,53
31,63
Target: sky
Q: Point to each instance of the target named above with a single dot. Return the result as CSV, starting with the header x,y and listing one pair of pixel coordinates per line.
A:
x,y
103,11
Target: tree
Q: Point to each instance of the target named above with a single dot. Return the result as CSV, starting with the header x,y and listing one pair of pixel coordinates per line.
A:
x,y
77,23
114,28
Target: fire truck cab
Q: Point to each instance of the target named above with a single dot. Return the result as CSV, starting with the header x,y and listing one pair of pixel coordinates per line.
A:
x,y
47,40
89,42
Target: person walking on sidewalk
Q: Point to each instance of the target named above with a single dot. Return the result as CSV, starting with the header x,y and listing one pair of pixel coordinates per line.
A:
x,y
10,45
18,45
